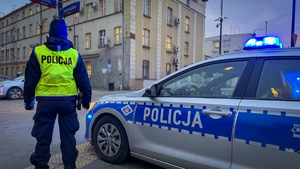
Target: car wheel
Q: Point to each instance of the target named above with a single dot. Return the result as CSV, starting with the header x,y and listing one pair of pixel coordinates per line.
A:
x,y
14,93
110,140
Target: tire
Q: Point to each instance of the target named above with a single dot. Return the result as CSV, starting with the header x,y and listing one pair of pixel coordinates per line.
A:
x,y
110,140
14,93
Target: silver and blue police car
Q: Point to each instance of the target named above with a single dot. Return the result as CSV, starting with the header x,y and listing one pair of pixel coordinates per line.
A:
x,y
240,110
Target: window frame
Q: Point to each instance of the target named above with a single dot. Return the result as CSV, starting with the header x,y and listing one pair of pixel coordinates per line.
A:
x,y
102,35
118,5
169,16
147,8
118,36
186,48
146,69
88,40
169,47
146,38
187,24
102,8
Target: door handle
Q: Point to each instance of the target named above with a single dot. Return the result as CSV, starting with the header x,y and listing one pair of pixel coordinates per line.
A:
x,y
217,111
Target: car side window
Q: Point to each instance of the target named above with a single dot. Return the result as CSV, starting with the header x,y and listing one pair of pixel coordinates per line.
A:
x,y
279,80
215,80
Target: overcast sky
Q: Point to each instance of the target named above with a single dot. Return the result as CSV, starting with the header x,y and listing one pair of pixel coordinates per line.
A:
x,y
243,16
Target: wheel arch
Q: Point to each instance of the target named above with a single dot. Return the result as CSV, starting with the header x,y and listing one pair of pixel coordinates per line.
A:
x,y
110,112
14,87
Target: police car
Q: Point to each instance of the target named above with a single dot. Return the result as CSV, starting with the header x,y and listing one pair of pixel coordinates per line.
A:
x,y
238,110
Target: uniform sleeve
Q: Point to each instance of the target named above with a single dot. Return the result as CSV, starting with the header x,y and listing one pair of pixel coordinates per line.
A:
x,y
32,77
83,82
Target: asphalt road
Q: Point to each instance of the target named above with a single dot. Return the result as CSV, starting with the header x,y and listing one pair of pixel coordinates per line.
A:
x,y
17,144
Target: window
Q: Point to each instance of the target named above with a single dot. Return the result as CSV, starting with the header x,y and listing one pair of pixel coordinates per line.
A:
x,y
76,42
45,25
169,44
2,55
88,68
24,52
2,38
30,30
214,80
168,68
102,8
24,32
118,5
186,48
146,69
279,80
7,55
30,12
76,18
146,38
169,16
118,35
12,54
38,28
101,38
37,8
12,32
18,17
216,44
88,40
226,43
147,7
88,12
7,36
18,34
23,14
18,53
188,2
187,24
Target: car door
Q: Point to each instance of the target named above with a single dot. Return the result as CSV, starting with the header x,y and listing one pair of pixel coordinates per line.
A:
x,y
267,130
189,123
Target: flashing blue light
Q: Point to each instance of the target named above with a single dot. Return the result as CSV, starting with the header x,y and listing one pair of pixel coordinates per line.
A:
x,y
263,43
89,116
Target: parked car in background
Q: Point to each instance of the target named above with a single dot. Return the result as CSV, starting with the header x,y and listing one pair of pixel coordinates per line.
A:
x,y
12,89
239,110
3,78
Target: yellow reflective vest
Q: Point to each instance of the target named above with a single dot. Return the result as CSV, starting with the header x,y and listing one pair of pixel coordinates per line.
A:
x,y
57,72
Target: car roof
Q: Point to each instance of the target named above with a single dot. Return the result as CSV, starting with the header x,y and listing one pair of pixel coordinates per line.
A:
x,y
261,53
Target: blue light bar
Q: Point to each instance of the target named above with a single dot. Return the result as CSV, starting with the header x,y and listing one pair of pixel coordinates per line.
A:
x,y
263,43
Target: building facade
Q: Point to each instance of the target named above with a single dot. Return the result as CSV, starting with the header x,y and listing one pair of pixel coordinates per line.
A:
x,y
230,43
125,43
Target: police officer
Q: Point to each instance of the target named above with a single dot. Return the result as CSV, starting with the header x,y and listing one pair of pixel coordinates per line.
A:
x,y
54,73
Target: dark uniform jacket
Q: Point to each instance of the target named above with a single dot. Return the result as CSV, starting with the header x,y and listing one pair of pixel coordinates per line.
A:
x,y
33,74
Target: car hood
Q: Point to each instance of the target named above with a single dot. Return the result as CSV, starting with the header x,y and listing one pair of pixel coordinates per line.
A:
x,y
8,82
122,96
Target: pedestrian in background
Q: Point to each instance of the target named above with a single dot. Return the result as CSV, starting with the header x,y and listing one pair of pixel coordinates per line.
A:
x,y
54,73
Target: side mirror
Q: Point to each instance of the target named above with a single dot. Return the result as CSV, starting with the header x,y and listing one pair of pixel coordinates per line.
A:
x,y
152,92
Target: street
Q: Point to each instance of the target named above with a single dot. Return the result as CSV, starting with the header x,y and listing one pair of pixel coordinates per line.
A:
x,y
17,144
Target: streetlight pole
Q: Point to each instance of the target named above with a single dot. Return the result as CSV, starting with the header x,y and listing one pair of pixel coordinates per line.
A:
x,y
220,24
221,21
293,24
